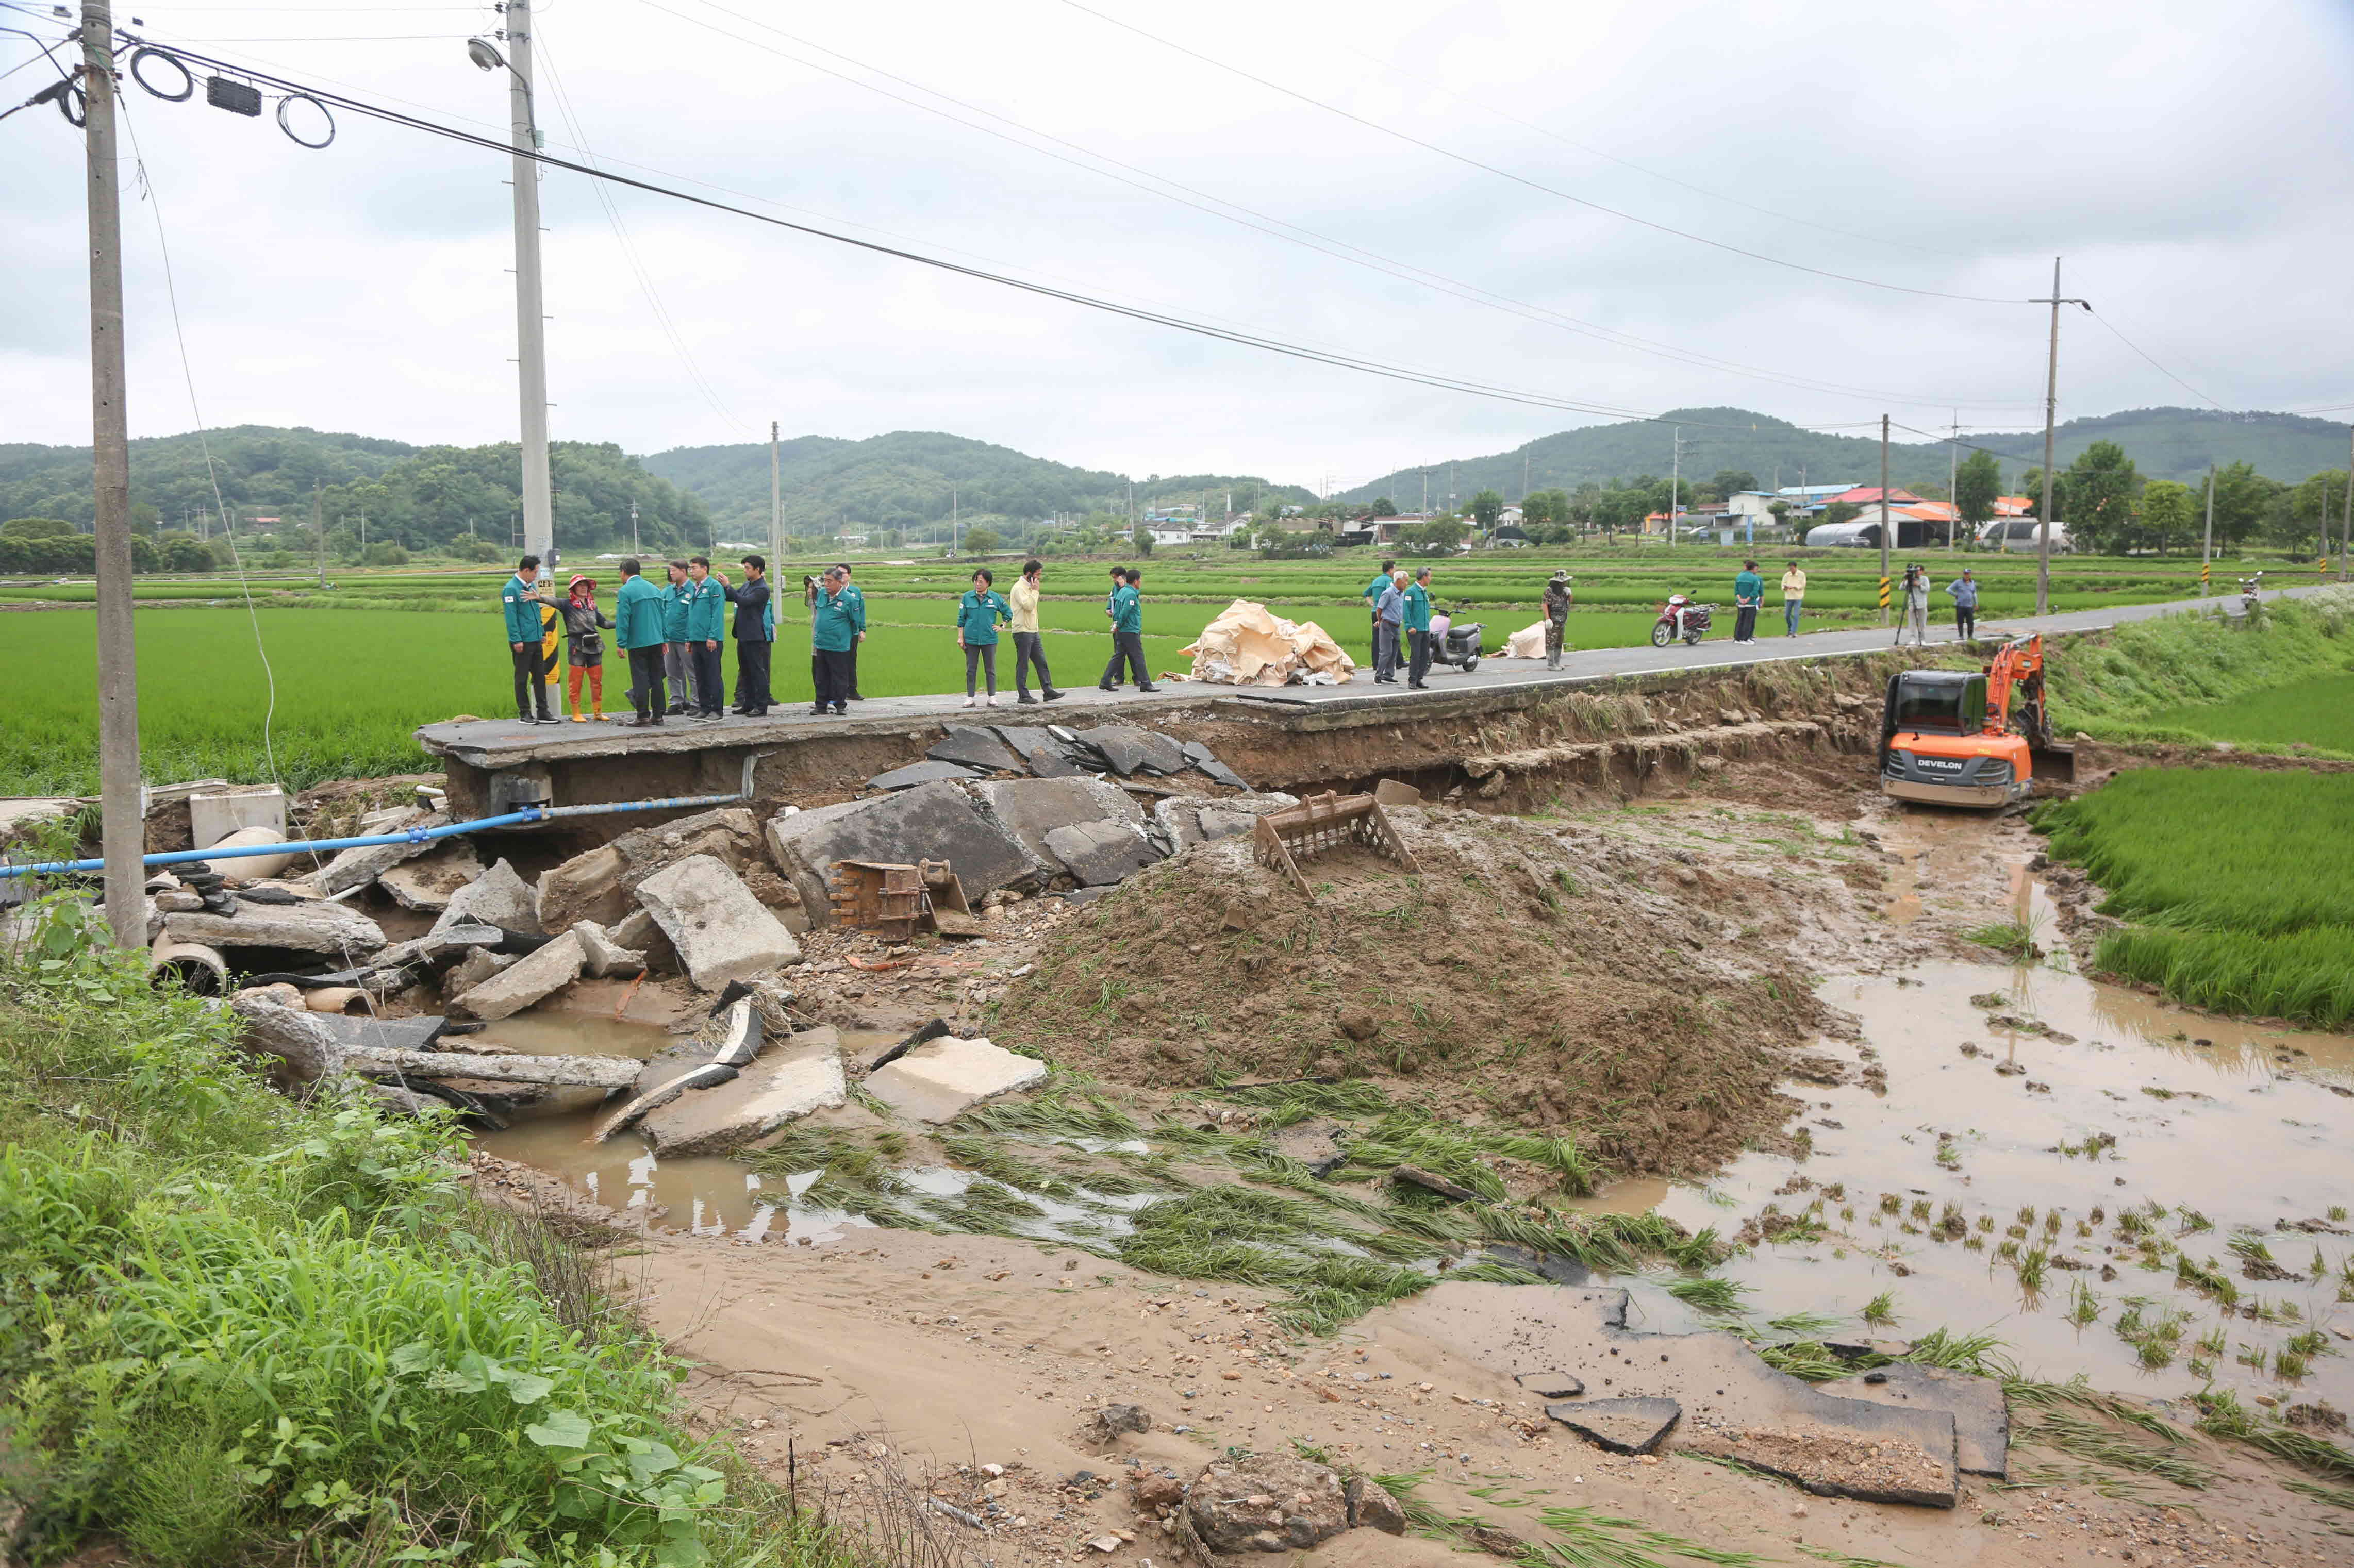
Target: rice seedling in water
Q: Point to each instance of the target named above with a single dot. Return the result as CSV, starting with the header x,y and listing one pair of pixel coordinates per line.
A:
x,y
2030,1271
1585,1539
2336,1497
2083,1306
1806,1325
1841,1559
1708,1295
2102,1445
1881,1310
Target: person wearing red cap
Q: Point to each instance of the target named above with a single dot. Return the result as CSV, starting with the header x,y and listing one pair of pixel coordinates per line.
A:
x,y
584,647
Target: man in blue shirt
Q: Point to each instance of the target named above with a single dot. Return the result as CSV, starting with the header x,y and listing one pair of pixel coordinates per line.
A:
x,y
832,637
677,663
1748,593
1417,628
1965,589
638,627
520,600
706,629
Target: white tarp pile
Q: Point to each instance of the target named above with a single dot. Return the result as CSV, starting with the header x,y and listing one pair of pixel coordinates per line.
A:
x,y
1246,646
1526,643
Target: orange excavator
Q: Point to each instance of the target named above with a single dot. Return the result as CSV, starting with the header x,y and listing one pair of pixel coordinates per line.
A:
x,y
1950,737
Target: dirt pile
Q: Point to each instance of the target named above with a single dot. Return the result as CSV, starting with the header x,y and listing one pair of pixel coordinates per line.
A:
x,y
1544,974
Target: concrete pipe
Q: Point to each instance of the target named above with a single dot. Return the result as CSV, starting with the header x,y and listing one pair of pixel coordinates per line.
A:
x,y
336,999
254,867
199,971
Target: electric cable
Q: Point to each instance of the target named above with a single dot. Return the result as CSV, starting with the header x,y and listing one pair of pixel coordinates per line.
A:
x,y
1254,219
204,445
2161,369
1469,161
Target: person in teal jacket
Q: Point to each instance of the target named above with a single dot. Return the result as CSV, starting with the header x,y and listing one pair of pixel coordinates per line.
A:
x,y
1373,597
852,595
1748,593
1127,632
1417,628
979,614
638,613
676,663
520,600
706,634
832,634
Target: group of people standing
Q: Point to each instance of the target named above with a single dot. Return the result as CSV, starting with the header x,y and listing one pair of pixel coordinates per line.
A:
x,y
1915,600
1401,610
983,609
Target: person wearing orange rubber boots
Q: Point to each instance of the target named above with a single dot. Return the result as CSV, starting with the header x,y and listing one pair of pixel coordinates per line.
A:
x,y
584,647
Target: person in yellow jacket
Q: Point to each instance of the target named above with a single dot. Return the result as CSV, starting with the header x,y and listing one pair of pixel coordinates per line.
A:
x,y
1028,641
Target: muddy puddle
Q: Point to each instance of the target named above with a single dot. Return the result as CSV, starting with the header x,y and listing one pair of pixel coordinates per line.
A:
x,y
2082,1171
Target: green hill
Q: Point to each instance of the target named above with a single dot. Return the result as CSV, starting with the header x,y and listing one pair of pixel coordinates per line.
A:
x,y
2165,443
903,479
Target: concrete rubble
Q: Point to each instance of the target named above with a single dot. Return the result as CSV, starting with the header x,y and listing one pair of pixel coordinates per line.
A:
x,y
1267,1503
916,773
523,983
329,929
721,932
601,884
428,881
498,897
314,1046
941,1079
602,958
1054,751
802,1074
935,821
358,867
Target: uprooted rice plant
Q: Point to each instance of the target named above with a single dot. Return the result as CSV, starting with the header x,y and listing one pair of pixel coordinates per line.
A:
x,y
2239,884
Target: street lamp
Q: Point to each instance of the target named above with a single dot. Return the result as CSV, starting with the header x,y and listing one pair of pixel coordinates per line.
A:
x,y
484,54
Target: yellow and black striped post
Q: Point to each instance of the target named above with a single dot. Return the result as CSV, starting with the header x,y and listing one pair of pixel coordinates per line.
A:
x,y
1883,599
551,644
2203,583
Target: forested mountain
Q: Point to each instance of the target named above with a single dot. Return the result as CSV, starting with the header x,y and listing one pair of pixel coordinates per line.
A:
x,y
411,495
2165,443
903,479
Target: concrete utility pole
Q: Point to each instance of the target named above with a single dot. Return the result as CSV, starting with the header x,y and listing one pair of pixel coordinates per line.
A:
x,y
319,533
633,527
2346,523
531,320
1887,520
1954,481
775,504
1675,485
121,811
2051,413
2207,541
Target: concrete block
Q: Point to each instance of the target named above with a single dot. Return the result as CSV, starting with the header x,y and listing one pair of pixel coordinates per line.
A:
x,y
976,747
801,1075
602,957
586,887
366,1033
214,814
1981,1416
925,772
498,897
722,932
931,822
1619,1425
524,982
1121,746
478,965
941,1079
314,927
1029,808
429,882
602,884
358,867
1098,853
637,933
1039,751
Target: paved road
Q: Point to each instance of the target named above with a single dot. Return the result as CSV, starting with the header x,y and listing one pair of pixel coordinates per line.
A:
x,y
495,743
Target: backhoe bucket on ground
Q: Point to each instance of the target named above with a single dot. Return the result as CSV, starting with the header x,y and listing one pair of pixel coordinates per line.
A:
x,y
1320,826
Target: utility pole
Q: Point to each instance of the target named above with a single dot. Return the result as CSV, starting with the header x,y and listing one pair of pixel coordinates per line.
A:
x,y
1675,485
2207,544
2051,413
1525,476
319,533
633,527
953,546
1954,481
123,817
1887,520
2345,523
775,504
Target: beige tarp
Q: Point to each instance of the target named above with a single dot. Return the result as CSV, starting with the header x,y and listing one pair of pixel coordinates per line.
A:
x,y
1526,643
1246,646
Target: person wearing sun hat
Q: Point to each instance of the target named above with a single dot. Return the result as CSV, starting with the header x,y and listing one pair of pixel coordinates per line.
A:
x,y
584,647
1557,617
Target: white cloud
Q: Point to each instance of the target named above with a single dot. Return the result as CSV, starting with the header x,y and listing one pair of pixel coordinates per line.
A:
x,y
2184,159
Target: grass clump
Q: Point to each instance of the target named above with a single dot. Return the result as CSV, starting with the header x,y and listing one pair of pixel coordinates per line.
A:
x,y
2240,888
234,1328
1250,1237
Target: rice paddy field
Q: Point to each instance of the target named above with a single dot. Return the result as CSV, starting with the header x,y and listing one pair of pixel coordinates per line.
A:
x,y
2314,715
2238,885
363,660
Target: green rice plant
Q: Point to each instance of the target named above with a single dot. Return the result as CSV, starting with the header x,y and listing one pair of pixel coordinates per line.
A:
x,y
992,1158
2031,1267
2104,1445
2083,1306
2222,1416
1066,1108
1349,1099
2319,1491
1489,1271
1805,1359
1708,1295
2207,1278
1586,1539
2079,1393
1804,1325
1881,1310
1841,1558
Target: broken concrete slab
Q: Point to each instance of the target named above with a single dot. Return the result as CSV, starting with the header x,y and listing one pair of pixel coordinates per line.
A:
x,y
1619,1425
428,881
637,933
1219,773
525,981
478,965
1120,747
517,1067
1552,1385
709,1076
1316,1144
497,897
601,957
978,748
941,1079
935,821
314,927
883,1054
368,1033
1099,853
926,772
446,944
1736,1407
602,884
722,932
302,1039
1039,751
801,1075
1029,808
1981,1416
1396,792
358,867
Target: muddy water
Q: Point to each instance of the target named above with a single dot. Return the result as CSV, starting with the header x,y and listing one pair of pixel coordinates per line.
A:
x,y
2234,1122
706,1194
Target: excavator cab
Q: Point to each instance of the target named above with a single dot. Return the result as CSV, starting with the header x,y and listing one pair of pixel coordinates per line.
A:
x,y
1947,736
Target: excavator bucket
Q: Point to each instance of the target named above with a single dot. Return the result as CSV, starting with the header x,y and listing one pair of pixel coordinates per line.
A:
x,y
1321,824
876,896
2054,762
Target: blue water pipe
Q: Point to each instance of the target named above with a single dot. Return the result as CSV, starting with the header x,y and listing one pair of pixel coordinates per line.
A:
x,y
405,836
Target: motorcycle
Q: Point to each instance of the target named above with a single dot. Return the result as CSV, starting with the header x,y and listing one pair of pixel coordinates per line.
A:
x,y
1456,643
1681,618
2250,592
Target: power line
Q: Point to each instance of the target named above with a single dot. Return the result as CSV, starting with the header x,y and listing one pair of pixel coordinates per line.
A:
x,y
1538,185
1323,244
2161,369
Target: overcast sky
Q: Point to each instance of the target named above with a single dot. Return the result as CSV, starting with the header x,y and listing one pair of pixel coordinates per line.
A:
x,y
2190,160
